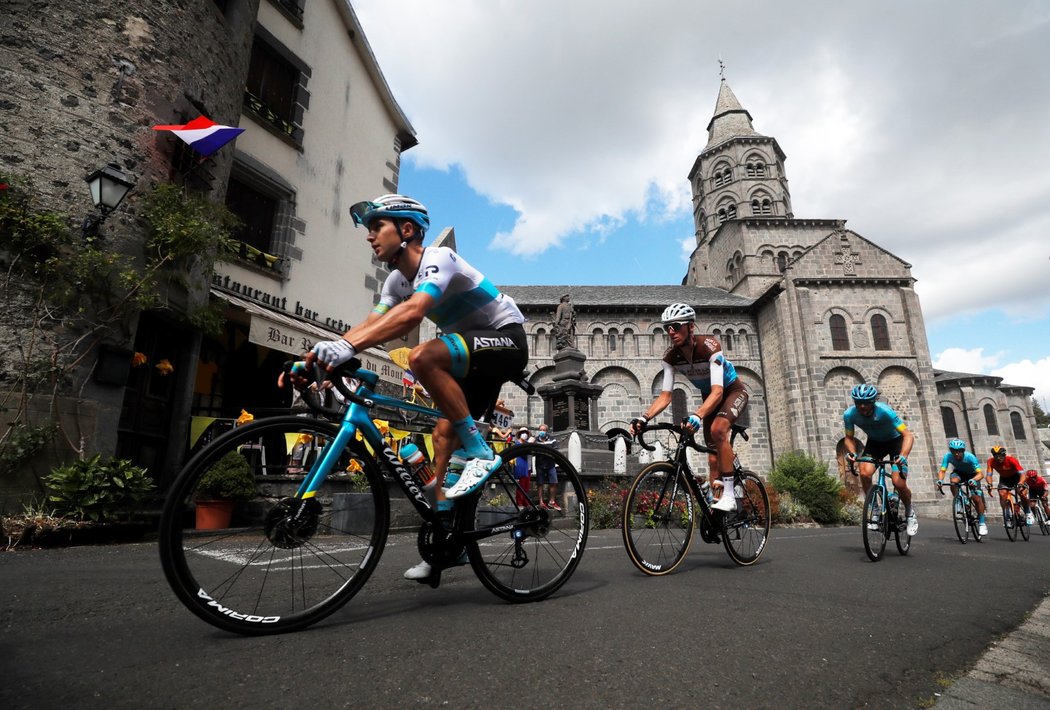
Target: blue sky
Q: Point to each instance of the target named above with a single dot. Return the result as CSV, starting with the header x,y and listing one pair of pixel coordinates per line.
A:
x,y
556,138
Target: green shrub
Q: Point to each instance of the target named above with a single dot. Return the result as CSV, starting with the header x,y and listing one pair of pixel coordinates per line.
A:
x,y
99,491
784,509
230,478
808,482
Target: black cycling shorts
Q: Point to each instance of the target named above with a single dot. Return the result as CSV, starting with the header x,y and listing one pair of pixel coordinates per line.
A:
x,y
482,360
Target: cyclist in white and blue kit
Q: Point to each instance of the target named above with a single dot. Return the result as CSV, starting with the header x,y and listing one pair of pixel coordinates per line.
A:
x,y
888,435
966,469
482,346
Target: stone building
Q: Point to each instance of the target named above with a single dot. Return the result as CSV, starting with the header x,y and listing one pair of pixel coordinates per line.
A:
x,y
82,86
805,309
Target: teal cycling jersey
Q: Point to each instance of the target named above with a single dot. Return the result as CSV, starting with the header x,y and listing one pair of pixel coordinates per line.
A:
x,y
884,424
968,466
464,299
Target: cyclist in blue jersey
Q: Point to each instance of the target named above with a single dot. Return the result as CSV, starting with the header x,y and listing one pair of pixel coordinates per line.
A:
x,y
483,342
699,358
888,435
966,468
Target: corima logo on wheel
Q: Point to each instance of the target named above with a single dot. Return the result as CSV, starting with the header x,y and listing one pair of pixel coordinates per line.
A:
x,y
253,618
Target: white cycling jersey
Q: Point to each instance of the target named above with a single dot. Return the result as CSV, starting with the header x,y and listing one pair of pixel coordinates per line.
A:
x,y
463,298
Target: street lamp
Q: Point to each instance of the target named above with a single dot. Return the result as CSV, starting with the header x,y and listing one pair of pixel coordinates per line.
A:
x,y
109,186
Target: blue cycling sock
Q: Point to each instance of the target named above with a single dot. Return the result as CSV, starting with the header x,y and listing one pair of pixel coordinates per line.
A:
x,y
980,518
473,442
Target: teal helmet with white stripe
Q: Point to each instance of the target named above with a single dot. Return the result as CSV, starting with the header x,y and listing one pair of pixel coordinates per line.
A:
x,y
395,207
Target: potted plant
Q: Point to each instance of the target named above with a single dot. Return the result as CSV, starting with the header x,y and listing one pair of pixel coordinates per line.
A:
x,y
353,511
225,483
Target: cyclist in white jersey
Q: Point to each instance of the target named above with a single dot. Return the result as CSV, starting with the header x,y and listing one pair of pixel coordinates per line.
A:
x,y
483,343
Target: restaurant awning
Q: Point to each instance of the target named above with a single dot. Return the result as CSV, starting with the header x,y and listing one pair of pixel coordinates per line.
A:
x,y
287,334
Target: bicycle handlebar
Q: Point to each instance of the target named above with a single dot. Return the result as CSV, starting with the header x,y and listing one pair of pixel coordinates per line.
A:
x,y
337,377
687,437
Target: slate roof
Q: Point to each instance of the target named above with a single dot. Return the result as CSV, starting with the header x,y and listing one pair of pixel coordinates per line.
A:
x,y
626,296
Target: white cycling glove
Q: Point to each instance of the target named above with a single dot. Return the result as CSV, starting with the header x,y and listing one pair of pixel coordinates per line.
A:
x,y
334,353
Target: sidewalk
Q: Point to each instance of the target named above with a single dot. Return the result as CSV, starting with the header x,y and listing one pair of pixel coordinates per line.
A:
x,y
1014,672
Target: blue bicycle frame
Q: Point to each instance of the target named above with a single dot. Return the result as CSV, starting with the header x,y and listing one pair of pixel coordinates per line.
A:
x,y
357,418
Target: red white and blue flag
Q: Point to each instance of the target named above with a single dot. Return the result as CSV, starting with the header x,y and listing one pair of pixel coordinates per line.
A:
x,y
203,135
408,379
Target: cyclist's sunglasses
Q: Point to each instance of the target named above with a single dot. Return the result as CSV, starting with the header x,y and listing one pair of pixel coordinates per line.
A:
x,y
999,454
675,327
361,210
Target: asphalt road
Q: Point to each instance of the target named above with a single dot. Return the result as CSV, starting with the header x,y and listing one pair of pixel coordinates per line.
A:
x,y
813,624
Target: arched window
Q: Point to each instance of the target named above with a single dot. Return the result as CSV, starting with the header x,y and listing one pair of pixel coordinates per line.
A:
x,y
761,207
839,335
741,343
727,340
951,430
880,334
723,174
612,339
1018,425
726,211
990,420
756,170
782,261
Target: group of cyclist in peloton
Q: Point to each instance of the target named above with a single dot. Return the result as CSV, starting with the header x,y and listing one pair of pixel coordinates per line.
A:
x,y
966,470
483,345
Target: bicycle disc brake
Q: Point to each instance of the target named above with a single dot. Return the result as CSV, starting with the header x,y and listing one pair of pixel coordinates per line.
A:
x,y
436,546
292,522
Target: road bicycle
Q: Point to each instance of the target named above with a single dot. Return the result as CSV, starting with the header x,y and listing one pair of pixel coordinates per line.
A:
x,y
314,527
1013,517
882,513
964,512
659,513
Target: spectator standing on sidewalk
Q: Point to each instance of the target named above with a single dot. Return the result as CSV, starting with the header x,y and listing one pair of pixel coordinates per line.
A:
x,y
547,472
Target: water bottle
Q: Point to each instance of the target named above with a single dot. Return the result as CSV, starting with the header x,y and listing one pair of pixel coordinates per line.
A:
x,y
417,464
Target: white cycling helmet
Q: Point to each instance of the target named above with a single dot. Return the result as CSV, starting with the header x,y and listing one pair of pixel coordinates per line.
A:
x,y
678,313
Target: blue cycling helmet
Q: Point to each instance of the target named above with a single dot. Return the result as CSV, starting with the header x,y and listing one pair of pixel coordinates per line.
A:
x,y
393,207
956,444
864,393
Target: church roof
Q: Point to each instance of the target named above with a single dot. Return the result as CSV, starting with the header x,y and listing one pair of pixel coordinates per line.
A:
x,y
948,376
731,120
626,296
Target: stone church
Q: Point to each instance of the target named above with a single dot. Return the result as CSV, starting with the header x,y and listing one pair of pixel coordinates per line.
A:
x,y
805,308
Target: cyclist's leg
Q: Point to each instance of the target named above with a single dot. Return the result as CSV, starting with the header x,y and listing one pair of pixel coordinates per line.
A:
x,y
718,426
439,364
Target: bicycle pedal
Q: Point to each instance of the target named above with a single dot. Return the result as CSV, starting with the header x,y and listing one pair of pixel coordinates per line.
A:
x,y
434,580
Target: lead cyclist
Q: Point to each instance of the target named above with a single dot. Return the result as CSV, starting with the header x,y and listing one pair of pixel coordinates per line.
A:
x,y
483,342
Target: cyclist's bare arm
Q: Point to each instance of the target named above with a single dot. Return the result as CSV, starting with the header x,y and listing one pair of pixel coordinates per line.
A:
x,y
399,320
908,442
659,404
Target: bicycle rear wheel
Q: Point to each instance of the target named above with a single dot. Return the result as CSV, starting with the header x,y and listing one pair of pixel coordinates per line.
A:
x,y
974,520
285,562
1022,524
745,531
874,522
538,546
961,518
658,519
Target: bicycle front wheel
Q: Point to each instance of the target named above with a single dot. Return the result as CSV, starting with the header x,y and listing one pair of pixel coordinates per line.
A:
x,y
1040,517
540,542
745,531
874,522
1010,522
658,519
1022,524
285,561
961,518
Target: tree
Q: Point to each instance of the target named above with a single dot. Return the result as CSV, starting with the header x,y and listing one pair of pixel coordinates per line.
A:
x,y
1042,419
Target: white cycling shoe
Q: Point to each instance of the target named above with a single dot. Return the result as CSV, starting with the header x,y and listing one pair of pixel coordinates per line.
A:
x,y
982,529
913,525
1030,519
423,570
474,475
727,503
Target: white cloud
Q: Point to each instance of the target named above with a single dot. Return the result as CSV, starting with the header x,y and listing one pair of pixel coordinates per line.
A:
x,y
920,123
962,360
